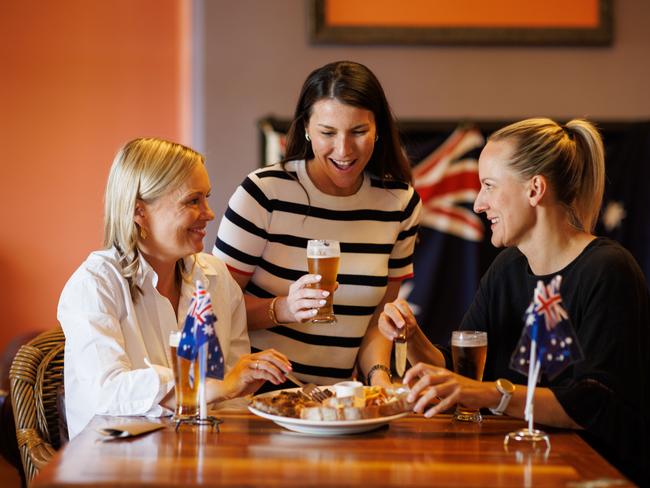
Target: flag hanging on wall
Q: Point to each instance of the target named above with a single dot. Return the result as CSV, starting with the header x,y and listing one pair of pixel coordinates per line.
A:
x,y
452,252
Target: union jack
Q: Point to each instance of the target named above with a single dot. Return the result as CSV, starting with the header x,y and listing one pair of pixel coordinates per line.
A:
x,y
445,180
198,330
547,332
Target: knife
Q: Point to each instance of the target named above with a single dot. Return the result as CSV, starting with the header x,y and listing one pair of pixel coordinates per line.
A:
x,y
400,353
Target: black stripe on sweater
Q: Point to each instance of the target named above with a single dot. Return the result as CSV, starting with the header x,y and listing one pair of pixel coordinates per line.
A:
x,y
343,279
245,224
307,369
408,233
400,263
408,211
277,173
236,253
316,340
318,212
354,310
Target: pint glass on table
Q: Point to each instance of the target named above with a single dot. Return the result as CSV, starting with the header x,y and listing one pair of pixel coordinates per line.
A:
x,y
187,392
323,258
468,351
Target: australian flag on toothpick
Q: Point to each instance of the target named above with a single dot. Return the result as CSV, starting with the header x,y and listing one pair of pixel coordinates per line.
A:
x,y
547,333
198,330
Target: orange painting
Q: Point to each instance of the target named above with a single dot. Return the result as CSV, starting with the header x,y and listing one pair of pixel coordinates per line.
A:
x,y
560,22
463,13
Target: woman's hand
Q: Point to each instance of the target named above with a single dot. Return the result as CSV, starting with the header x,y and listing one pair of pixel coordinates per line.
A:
x,y
397,319
441,389
302,303
252,370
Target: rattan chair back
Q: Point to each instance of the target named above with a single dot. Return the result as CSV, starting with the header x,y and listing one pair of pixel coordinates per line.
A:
x,y
36,375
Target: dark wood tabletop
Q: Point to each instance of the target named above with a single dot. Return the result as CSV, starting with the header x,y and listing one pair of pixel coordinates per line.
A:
x,y
252,451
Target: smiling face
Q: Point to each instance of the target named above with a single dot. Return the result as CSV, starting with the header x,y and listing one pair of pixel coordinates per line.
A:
x,y
504,196
342,139
176,222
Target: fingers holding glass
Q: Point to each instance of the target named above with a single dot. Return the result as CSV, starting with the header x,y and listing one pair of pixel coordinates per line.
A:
x,y
323,257
306,297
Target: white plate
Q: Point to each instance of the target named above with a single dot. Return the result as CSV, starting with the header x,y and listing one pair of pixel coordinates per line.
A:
x,y
324,427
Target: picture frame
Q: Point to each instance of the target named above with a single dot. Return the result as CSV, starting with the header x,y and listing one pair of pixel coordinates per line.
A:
x,y
540,23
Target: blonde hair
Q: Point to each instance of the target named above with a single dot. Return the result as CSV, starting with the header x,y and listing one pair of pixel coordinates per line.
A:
x,y
143,169
571,157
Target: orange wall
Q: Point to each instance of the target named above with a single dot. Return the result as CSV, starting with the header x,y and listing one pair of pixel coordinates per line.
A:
x,y
78,79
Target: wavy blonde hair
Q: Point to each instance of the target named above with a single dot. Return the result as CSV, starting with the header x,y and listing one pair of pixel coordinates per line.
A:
x,y
145,169
571,157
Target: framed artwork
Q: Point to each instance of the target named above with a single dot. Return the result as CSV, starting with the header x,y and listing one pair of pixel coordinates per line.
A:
x,y
462,22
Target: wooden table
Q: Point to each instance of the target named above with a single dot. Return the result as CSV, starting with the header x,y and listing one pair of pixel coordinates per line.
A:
x,y
251,451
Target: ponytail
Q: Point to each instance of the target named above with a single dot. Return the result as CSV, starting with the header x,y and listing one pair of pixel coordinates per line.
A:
x,y
590,159
570,157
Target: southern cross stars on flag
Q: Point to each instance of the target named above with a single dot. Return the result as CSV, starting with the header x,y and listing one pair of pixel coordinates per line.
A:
x,y
548,326
198,330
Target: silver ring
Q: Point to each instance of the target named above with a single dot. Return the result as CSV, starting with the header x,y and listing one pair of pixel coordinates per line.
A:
x,y
257,364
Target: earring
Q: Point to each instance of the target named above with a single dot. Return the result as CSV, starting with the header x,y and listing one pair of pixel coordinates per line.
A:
x,y
307,137
143,234
376,137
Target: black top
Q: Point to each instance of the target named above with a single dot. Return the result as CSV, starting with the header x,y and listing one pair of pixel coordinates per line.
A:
x,y
607,299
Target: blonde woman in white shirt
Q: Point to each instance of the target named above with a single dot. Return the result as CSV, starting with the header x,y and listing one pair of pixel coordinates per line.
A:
x,y
118,308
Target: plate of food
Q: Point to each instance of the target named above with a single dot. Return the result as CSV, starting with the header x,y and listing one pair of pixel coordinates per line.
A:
x,y
337,415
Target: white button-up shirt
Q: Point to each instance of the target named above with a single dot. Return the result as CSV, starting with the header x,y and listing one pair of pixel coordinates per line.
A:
x,y
116,353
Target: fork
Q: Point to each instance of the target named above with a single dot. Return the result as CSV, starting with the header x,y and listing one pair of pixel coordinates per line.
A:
x,y
310,389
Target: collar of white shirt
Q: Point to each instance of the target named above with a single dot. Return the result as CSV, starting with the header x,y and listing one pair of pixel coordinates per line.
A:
x,y
198,269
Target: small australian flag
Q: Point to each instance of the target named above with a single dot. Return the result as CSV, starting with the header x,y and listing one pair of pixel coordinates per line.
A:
x,y
198,330
548,326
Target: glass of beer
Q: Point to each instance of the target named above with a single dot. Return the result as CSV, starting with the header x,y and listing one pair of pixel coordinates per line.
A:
x,y
323,258
187,389
468,351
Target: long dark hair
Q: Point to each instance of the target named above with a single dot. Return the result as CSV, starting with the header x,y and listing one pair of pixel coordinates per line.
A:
x,y
352,84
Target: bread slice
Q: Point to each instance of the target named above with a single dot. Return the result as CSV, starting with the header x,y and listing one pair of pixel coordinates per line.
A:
x,y
319,413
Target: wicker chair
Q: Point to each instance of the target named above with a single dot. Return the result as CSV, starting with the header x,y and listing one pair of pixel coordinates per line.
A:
x,y
36,376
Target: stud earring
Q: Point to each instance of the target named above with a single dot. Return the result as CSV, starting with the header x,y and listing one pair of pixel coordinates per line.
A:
x,y
307,137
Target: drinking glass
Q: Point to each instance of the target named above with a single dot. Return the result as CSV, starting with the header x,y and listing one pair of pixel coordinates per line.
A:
x,y
323,257
468,351
187,389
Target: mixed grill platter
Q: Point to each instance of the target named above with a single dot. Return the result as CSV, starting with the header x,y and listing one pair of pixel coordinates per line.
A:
x,y
374,407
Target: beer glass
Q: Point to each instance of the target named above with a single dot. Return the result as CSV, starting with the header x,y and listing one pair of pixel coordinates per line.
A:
x,y
323,258
468,351
187,392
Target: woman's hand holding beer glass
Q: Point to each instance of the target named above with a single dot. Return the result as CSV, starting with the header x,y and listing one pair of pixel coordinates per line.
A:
x,y
323,257
303,301
310,298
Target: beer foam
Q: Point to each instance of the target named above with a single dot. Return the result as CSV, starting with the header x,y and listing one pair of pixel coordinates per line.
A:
x,y
174,338
323,248
468,338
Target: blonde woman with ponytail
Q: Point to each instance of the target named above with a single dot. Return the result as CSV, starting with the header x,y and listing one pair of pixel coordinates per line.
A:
x,y
541,190
118,308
